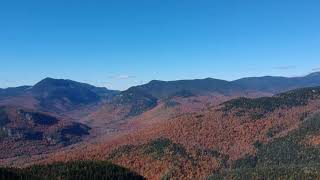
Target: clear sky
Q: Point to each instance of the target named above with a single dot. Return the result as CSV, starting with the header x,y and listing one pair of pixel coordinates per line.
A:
x,y
120,43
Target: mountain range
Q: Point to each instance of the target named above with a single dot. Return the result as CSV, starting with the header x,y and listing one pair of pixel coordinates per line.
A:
x,y
266,84
185,129
142,98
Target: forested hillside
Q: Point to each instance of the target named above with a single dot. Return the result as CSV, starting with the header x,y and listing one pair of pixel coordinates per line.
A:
x,y
95,170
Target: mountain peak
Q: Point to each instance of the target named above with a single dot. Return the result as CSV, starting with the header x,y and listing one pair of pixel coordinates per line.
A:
x,y
314,74
51,83
49,80
156,81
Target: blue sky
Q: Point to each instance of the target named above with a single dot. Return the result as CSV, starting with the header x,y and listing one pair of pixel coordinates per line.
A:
x,y
120,43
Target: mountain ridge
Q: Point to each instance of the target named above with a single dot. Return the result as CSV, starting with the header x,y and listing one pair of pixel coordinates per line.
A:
x,y
247,83
161,90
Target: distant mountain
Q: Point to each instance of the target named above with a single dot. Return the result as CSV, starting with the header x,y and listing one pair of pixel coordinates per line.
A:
x,y
56,95
156,91
267,84
277,84
57,87
15,91
163,89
